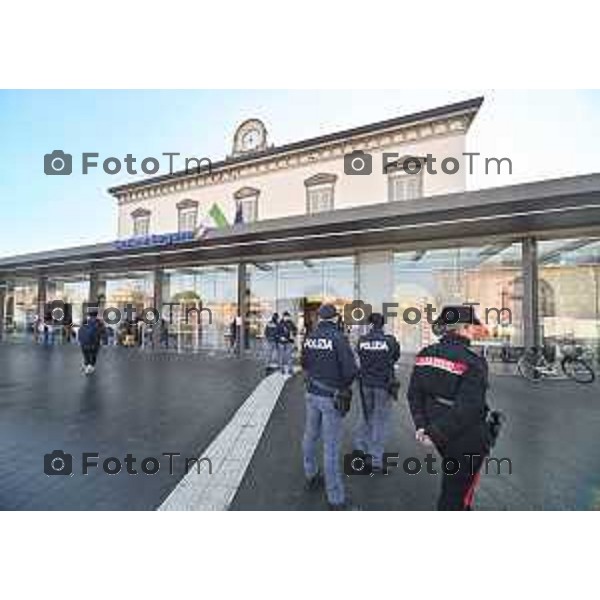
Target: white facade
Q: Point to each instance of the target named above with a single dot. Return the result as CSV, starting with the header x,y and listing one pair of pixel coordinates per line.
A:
x,y
280,180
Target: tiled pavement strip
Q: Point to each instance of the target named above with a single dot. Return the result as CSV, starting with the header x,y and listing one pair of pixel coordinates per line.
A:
x,y
230,454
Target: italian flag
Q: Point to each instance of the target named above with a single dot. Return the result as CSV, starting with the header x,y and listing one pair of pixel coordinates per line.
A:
x,y
215,219
216,214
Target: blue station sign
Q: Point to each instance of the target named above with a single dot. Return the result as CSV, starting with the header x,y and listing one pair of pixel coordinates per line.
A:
x,y
156,239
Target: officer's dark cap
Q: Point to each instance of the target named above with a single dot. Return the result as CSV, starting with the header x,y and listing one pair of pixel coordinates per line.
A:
x,y
327,311
460,314
377,320
93,313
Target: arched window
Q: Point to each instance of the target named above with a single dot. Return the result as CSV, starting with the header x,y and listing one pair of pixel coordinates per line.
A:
x,y
320,193
187,215
141,221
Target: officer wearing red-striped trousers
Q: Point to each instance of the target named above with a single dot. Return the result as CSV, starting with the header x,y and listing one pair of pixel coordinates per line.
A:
x,y
447,401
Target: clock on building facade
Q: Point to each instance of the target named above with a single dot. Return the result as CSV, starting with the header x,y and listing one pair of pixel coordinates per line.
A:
x,y
251,136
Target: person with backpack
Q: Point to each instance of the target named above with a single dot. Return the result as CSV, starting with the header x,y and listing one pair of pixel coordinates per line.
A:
x,y
90,337
286,336
271,329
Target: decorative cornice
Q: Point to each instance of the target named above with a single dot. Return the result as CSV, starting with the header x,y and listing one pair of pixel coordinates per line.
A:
x,y
140,212
296,155
321,179
187,203
246,192
398,165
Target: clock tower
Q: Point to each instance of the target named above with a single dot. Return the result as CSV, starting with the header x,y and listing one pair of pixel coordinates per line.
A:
x,y
250,137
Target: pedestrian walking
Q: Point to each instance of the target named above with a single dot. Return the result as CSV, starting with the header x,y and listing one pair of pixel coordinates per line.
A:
x,y
233,335
286,338
90,337
271,329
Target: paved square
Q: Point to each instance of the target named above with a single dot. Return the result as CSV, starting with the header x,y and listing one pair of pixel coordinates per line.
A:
x,y
551,438
137,403
149,404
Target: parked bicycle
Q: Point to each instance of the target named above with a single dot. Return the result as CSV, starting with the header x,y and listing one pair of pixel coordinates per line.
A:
x,y
544,363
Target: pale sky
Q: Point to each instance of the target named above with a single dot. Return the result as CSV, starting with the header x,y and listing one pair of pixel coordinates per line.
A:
x,y
546,134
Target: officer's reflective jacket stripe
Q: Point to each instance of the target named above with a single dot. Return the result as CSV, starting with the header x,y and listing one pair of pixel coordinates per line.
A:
x,y
327,359
451,366
448,370
378,353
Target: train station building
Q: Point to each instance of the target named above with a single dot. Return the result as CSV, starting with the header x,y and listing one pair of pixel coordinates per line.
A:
x,y
350,215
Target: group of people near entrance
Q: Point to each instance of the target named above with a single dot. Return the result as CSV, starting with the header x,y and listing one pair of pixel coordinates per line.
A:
x,y
280,337
446,396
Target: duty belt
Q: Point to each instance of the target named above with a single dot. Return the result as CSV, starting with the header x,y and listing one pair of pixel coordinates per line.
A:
x,y
329,391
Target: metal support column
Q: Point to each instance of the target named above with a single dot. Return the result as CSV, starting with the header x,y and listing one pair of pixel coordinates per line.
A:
x,y
97,292
42,295
2,302
157,305
242,323
531,324
93,289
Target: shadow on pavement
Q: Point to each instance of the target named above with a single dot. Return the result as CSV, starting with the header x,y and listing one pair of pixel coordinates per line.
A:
x,y
550,437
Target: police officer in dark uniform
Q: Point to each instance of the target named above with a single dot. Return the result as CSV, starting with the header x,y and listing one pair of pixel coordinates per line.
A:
x,y
271,330
378,352
330,368
447,401
286,335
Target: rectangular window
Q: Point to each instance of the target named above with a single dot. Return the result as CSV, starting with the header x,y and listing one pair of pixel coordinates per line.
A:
x,y
490,275
249,209
141,225
404,186
187,218
319,200
569,292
